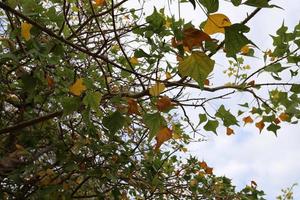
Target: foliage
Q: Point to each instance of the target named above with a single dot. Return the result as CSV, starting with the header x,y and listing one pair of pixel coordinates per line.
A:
x,y
95,98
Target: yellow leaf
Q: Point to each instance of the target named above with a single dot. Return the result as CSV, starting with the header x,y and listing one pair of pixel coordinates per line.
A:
x,y
25,30
134,61
216,24
168,75
245,50
156,89
283,117
163,135
100,2
78,87
183,149
168,23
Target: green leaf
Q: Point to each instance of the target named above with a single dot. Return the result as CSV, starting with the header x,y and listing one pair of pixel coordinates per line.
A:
x,y
273,127
212,125
211,5
227,118
92,99
70,104
260,3
295,88
114,122
202,118
236,2
156,21
235,39
154,122
139,53
198,66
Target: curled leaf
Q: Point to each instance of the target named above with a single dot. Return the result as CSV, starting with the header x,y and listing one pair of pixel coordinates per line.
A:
x,y
25,30
78,87
216,24
163,135
156,89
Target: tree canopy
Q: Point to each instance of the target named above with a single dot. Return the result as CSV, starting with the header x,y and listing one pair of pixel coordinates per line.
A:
x,y
97,98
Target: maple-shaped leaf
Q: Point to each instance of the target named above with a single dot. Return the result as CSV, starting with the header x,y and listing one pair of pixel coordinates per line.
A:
x,y
133,107
229,131
164,103
156,89
216,23
163,135
260,125
248,120
100,2
283,117
198,66
193,37
25,30
78,87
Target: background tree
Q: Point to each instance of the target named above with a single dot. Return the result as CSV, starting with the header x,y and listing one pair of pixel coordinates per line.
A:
x,y
95,98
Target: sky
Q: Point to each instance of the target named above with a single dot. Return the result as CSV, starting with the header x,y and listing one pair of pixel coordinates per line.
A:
x,y
273,162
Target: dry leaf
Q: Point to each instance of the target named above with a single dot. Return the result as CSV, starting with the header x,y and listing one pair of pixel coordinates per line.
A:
x,y
245,49
163,135
260,125
100,2
168,75
134,61
78,87
216,23
248,120
25,30
276,121
156,89
203,165
50,81
252,83
229,131
206,82
209,170
133,107
283,117
164,103
193,37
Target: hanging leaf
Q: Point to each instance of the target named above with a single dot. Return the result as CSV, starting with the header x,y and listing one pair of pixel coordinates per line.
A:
x,y
154,122
211,125
229,131
156,89
226,116
210,5
198,66
164,103
163,135
133,107
193,37
25,30
248,120
78,87
216,24
260,125
235,39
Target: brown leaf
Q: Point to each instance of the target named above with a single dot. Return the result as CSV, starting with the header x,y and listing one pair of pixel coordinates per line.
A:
x,y
163,135
229,131
260,125
193,37
133,107
248,120
164,103
253,184
276,121
203,165
209,170
50,81
252,83
206,82
283,117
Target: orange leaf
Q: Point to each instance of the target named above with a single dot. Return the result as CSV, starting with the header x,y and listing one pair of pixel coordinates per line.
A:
x,y
163,135
50,81
100,2
245,49
203,165
193,37
209,170
78,87
206,82
229,131
260,125
276,121
248,120
25,30
133,107
164,103
283,117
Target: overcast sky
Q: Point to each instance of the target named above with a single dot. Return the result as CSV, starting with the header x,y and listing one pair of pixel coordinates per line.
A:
x,y
273,162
